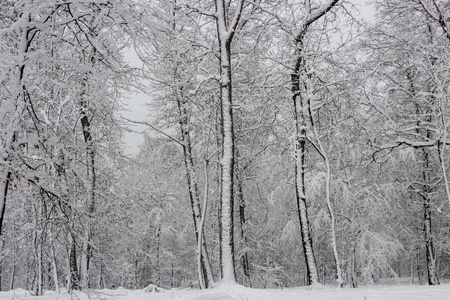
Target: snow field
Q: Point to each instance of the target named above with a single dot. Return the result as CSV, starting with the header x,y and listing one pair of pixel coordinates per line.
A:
x,y
237,292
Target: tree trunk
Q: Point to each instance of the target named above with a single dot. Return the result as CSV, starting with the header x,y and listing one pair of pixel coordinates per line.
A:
x,y
419,275
225,32
53,261
219,143
312,276
430,256
38,251
2,245
227,242
136,273
339,279
90,203
353,278
15,120
310,17
202,223
207,274
158,248
4,195
13,272
242,223
324,154
73,277
101,281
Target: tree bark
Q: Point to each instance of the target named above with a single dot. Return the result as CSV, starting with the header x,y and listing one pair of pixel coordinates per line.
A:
x,y
38,240
339,279
206,278
17,105
242,222
433,278
158,251
73,280
225,32
207,274
4,196
53,261
429,248
312,276
2,246
201,238
90,201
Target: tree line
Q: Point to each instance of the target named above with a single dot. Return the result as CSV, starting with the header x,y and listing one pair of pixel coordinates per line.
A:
x,y
289,143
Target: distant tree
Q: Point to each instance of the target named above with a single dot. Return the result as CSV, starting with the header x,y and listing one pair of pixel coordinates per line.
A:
x,y
413,68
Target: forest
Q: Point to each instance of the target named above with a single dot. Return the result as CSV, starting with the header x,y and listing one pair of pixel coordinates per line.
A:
x,y
287,143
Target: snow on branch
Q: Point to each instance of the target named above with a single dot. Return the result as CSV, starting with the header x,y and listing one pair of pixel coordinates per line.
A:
x,y
201,11
404,142
156,129
312,17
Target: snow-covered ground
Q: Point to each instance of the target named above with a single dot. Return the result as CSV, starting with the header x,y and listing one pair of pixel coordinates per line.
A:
x,y
236,292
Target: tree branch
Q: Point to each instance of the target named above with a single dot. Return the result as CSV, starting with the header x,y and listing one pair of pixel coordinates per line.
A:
x,y
154,128
201,11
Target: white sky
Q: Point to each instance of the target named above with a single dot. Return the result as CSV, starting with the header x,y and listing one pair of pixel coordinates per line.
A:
x,y
136,109
366,10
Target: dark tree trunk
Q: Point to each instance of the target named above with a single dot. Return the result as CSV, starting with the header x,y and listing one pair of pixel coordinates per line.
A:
x,y
74,283
312,276
242,222
86,253
430,255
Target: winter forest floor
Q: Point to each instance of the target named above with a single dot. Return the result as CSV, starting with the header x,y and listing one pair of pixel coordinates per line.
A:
x,y
237,292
